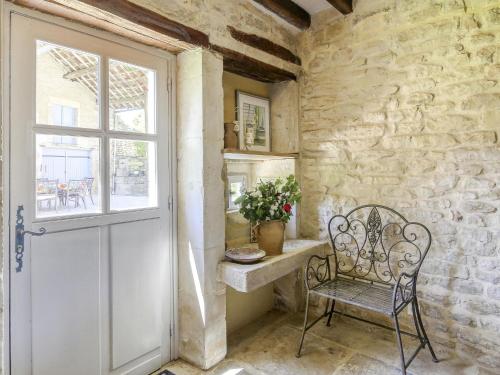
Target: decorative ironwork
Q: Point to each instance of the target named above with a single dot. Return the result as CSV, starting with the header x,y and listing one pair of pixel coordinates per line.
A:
x,y
377,255
317,271
20,233
381,247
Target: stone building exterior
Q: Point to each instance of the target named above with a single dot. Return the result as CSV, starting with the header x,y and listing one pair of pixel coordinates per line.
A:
x,y
400,106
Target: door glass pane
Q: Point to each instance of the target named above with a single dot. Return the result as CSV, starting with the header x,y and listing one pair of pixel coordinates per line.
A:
x,y
132,174
67,175
67,86
131,98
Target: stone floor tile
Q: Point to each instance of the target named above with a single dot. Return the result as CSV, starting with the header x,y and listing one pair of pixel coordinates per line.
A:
x,y
370,340
274,353
179,367
230,367
348,347
423,365
262,326
362,365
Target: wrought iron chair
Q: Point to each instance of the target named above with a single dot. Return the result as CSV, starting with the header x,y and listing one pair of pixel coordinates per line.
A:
x,y
89,182
377,255
77,189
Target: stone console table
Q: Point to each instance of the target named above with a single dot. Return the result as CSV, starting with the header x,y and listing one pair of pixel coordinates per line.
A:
x,y
248,277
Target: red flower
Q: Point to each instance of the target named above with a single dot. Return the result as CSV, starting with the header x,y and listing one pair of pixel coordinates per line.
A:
x,y
287,208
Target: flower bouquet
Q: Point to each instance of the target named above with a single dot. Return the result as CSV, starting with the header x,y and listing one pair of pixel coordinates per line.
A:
x,y
269,207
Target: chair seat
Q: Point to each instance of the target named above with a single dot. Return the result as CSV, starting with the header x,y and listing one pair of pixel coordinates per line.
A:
x,y
370,296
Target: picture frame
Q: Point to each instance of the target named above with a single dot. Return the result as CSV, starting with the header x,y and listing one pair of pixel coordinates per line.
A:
x,y
235,186
253,113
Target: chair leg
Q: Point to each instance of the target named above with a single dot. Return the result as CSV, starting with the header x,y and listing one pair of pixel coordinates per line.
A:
x,y
304,328
330,313
424,334
400,344
417,325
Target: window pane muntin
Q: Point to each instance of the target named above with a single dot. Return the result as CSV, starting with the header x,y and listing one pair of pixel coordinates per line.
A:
x,y
67,77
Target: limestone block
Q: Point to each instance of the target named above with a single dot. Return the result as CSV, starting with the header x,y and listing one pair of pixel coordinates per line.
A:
x,y
478,207
202,334
481,101
284,117
249,277
289,292
494,292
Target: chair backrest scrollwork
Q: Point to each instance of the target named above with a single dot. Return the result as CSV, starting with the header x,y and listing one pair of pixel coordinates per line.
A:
x,y
376,243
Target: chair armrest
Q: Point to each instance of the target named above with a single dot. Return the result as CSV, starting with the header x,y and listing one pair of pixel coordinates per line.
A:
x,y
405,288
317,271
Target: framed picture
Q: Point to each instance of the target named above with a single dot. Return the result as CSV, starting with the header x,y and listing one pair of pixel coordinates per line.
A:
x,y
236,185
253,119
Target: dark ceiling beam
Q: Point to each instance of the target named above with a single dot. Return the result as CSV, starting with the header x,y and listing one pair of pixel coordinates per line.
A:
x,y
153,29
343,6
83,14
265,45
289,11
238,63
151,20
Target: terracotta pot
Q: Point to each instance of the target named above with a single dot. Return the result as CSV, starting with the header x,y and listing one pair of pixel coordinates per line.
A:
x,y
230,136
270,236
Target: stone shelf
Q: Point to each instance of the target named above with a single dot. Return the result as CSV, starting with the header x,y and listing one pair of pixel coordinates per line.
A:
x,y
248,277
233,154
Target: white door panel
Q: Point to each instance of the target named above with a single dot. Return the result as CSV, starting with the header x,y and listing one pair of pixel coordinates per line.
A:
x,y
65,302
136,283
94,296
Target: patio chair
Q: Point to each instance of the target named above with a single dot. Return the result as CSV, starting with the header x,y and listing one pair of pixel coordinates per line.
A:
x,y
46,191
89,182
77,189
377,255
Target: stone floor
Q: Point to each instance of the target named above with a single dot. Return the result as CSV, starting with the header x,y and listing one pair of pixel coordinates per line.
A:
x,y
348,347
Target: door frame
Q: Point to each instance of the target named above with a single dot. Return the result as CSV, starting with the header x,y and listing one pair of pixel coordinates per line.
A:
x,y
6,11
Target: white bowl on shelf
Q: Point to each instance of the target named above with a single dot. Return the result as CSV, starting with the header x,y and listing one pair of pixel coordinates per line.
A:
x,y
245,255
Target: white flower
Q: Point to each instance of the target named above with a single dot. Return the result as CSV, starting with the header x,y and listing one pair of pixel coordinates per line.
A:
x,y
271,212
256,194
249,207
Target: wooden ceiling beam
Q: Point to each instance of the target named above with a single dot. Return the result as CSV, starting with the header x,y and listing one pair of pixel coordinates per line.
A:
x,y
89,16
265,45
151,20
343,6
152,29
249,67
289,11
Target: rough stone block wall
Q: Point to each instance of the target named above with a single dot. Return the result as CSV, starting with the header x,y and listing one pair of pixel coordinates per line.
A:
x,y
213,16
400,106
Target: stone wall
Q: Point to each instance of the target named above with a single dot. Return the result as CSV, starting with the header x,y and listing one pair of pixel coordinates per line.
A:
x,y
213,16
400,106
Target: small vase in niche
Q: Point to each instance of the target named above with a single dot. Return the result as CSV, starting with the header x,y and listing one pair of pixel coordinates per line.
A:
x,y
230,136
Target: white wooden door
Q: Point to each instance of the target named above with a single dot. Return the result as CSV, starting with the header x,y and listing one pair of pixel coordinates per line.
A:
x,y
94,293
